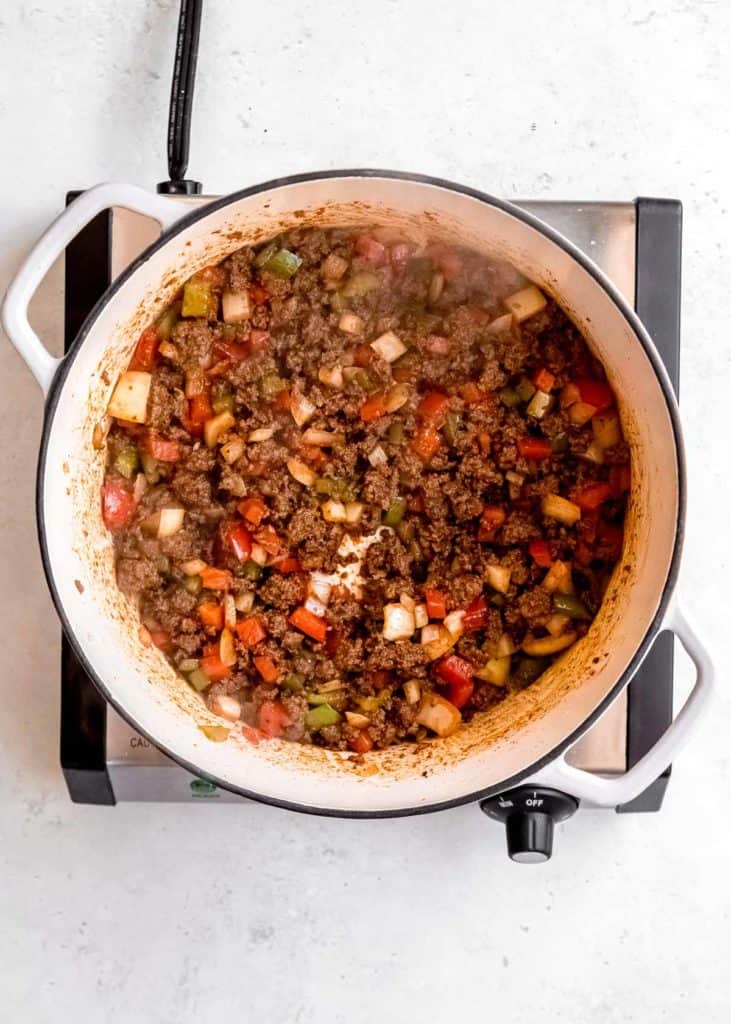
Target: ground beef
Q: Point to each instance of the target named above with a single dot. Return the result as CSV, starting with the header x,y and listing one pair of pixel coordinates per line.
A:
x,y
462,472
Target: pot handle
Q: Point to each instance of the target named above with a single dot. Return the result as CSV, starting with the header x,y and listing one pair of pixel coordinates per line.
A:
x,y
50,246
611,791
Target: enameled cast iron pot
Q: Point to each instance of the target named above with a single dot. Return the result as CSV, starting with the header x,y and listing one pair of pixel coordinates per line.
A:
x,y
525,737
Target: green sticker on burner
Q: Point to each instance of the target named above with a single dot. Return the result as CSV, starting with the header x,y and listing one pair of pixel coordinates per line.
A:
x,y
200,787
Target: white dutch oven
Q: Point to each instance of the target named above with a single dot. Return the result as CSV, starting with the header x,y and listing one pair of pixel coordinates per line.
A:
x,y
526,736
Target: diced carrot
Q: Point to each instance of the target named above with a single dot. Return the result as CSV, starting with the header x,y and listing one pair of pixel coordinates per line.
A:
x,y
373,408
544,380
266,669
253,510
216,579
426,442
472,394
484,441
251,631
283,400
161,639
433,408
288,565
362,742
436,603
269,539
212,665
211,615
309,623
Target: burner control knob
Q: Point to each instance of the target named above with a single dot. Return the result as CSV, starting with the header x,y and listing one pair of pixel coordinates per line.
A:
x,y
529,815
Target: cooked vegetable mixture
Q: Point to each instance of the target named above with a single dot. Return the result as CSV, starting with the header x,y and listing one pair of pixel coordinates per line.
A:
x,y
362,488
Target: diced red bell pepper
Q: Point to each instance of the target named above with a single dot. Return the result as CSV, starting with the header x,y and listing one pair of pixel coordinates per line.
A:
x,y
258,294
620,480
199,410
458,674
472,394
595,392
118,504
238,539
269,539
426,442
266,668
373,408
287,565
540,552
161,640
273,718
258,339
371,250
544,380
436,603
536,448
433,408
492,518
216,579
251,631
309,623
145,353
253,510
475,616
161,448
592,496
211,615
212,665
362,742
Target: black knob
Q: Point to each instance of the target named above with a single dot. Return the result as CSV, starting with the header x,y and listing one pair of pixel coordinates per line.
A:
x,y
529,815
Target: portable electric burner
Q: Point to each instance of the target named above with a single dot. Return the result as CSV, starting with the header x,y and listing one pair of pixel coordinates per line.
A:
x,y
637,244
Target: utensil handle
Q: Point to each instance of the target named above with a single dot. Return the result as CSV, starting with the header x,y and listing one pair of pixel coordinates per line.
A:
x,y
50,246
606,791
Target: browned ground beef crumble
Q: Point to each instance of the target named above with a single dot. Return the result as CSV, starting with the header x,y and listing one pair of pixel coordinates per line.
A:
x,y
451,437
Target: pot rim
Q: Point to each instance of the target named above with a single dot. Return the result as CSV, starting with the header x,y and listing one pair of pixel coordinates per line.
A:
x,y
629,314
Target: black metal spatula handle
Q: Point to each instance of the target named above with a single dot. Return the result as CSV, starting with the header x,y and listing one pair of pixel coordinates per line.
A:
x,y
181,101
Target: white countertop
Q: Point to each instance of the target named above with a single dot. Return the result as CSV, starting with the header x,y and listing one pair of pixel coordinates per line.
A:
x,y
182,913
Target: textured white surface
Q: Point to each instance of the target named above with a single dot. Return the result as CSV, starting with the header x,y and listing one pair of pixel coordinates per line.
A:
x,y
177,914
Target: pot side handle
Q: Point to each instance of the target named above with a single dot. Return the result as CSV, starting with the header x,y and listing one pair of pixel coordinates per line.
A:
x,y
611,791
50,246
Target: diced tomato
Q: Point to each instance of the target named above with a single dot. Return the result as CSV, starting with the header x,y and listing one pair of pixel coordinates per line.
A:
x,y
118,504
258,339
433,408
145,353
492,518
620,480
436,344
212,665
251,631
592,496
371,250
232,351
161,640
536,448
288,565
258,294
253,510
211,615
238,539
266,669
283,400
609,541
544,380
457,673
475,616
595,392
484,441
269,539
309,623
372,409
426,442
251,734
436,603
472,394
361,743
273,718
161,448
363,356
540,552
216,579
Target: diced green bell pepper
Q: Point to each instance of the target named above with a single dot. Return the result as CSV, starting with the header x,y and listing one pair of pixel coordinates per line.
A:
x,y
126,463
395,513
270,385
295,682
360,284
283,264
570,605
265,254
199,680
528,670
167,321
452,424
524,389
251,571
509,397
151,468
223,402
199,300
193,584
396,432
322,715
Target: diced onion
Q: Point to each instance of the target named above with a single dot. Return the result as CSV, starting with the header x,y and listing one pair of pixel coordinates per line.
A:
x,y
525,303
333,376
258,554
167,350
569,395
233,450
606,429
436,287
195,382
398,622
323,438
421,616
330,686
353,512
357,720
396,396
389,346
351,323
314,605
558,623
350,372
496,671
171,519
229,611
139,488
261,434
502,324
188,665
438,714
129,401
301,472
235,306
377,457
216,427
333,511
498,578
515,478
194,567
554,506
505,646
539,405
320,586
558,578
547,644
430,632
226,707
407,601
440,641
227,651
334,266
143,635
412,691
100,431
244,602
594,453
581,412
302,409
455,623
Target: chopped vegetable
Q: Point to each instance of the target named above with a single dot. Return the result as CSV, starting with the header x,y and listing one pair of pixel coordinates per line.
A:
x,y
476,614
226,707
528,670
525,303
458,674
144,356
570,605
594,454
373,408
360,284
544,380
321,716
216,427
592,496
227,651
498,578
580,413
273,718
438,714
536,448
377,457
333,511
266,669
301,472
395,512
509,397
126,463
235,306
539,405
540,552
239,540
212,665
233,450
557,623
216,579
215,733
389,346
436,603
554,506
542,646
129,400
199,680
433,408
496,671
251,631
396,397
412,691
525,390
118,505
436,641
558,577
398,622
332,376
282,264
492,518
454,622
421,615
211,615
426,442
353,512
606,428
312,625
199,300
301,408
595,392
323,438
